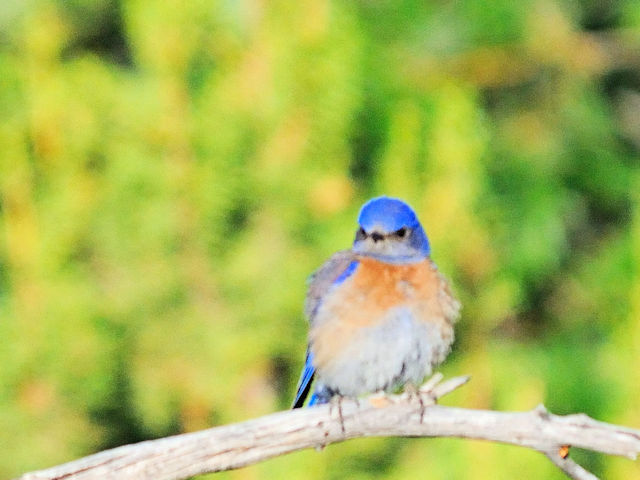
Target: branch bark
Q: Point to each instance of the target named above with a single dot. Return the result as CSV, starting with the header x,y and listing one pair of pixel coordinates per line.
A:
x,y
415,415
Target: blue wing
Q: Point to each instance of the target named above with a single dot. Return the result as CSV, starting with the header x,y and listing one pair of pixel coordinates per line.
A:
x,y
304,384
321,281
335,271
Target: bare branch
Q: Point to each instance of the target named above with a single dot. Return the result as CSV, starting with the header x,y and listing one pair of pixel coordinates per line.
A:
x,y
234,446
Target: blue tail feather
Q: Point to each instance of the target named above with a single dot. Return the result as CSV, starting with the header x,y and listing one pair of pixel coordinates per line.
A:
x,y
304,384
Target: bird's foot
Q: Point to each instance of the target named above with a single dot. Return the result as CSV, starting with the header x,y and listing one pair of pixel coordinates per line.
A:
x,y
335,410
422,396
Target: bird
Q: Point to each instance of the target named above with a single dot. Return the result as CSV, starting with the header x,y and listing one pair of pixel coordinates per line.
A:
x,y
381,315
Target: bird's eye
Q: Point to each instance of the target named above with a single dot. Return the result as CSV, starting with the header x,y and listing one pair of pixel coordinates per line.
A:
x,y
362,232
401,232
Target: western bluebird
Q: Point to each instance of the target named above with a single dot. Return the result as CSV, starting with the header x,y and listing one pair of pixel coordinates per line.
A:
x,y
381,315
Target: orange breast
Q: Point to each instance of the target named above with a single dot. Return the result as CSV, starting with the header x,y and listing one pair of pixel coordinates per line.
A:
x,y
364,299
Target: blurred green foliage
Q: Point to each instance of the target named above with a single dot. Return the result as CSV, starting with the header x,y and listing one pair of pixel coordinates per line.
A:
x,y
171,172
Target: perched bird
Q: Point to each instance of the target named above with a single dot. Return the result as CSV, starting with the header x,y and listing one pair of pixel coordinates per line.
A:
x,y
381,315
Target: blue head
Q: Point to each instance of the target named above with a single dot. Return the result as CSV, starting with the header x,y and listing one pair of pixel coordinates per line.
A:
x,y
390,231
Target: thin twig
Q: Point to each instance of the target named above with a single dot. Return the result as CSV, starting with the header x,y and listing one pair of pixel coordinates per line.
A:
x,y
571,468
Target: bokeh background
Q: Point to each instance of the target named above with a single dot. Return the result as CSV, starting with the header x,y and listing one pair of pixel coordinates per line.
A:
x,y
171,172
